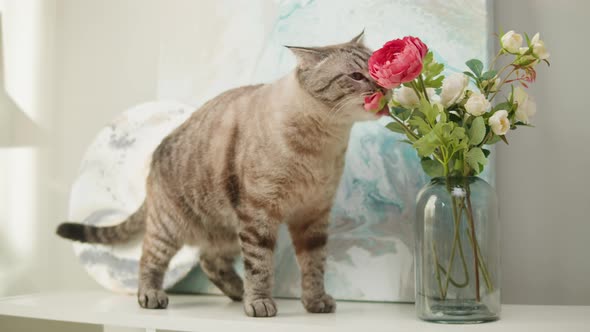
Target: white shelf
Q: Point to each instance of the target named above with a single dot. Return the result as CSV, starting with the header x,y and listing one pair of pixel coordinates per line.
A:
x,y
216,313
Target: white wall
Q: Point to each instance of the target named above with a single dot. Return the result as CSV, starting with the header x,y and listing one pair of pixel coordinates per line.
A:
x,y
101,57
26,109
69,67
107,55
543,182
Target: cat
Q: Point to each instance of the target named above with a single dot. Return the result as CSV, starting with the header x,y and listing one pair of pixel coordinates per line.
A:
x,y
248,160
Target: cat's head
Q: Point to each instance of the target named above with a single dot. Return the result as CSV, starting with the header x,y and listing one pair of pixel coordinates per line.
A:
x,y
338,76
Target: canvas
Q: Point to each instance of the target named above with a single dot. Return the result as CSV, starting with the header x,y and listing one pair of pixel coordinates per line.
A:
x,y
371,236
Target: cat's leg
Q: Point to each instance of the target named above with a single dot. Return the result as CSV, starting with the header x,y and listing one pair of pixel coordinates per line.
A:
x,y
309,239
219,267
160,244
257,239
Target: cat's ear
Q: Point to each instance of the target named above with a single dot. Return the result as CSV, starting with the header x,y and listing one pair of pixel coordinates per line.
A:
x,y
308,56
358,39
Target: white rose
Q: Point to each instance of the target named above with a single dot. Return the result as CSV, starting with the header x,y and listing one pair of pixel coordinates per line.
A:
x,y
526,106
406,97
511,41
434,98
453,89
499,122
477,104
519,96
526,111
539,50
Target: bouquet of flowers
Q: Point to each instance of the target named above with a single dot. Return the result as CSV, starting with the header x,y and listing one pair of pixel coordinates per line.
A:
x,y
450,120
447,120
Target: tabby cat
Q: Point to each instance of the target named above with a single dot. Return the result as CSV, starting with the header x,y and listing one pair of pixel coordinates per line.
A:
x,y
248,160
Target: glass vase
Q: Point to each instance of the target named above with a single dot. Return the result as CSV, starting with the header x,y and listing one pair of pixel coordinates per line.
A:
x,y
457,251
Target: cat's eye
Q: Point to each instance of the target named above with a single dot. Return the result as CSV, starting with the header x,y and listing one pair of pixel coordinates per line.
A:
x,y
357,76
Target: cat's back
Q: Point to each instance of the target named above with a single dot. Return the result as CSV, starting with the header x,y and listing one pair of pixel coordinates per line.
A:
x,y
229,98
198,146
207,121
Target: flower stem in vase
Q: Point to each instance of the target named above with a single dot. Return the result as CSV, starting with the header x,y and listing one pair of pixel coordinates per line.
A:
x,y
482,264
438,268
474,239
456,245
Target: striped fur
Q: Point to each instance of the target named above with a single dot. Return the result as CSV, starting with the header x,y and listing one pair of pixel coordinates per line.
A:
x,y
113,234
250,159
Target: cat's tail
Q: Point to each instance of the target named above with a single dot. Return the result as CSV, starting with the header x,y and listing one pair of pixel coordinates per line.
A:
x,y
122,232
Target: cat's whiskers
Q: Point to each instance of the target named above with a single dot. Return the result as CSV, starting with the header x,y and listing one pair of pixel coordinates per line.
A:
x,y
333,113
325,121
338,107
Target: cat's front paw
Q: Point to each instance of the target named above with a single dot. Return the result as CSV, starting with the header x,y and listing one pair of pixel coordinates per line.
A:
x,y
319,304
152,299
262,307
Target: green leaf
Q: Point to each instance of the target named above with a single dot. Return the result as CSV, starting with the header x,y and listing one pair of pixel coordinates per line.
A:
x,y
462,145
422,126
432,71
503,106
525,60
476,159
428,58
477,132
476,66
468,73
435,69
486,152
488,75
443,116
401,112
430,113
457,133
398,110
504,139
432,167
396,127
434,82
427,144
432,68
495,139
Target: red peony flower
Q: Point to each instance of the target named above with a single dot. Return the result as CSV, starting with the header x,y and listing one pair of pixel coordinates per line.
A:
x,y
376,103
398,61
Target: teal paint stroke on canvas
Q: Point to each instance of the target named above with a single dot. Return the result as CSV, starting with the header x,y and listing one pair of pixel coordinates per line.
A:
x,y
371,235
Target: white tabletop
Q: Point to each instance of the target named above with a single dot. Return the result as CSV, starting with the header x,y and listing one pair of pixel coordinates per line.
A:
x,y
215,313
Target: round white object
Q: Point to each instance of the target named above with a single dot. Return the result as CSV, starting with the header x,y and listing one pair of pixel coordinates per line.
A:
x,y
111,186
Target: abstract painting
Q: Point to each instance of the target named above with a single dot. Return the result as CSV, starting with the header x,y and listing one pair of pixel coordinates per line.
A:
x,y
371,237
